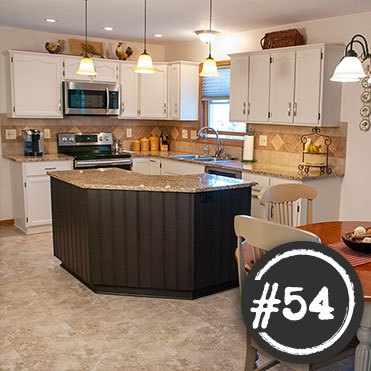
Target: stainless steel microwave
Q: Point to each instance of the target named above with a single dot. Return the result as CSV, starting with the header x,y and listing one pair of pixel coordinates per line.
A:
x,y
89,98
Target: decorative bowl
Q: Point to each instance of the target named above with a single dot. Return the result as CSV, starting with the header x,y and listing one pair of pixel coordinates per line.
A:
x,y
355,245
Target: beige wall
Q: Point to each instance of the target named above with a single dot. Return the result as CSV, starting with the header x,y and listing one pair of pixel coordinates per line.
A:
x,y
355,192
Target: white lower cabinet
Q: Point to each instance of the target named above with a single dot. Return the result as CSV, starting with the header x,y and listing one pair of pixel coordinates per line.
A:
x,y
325,205
31,194
147,165
154,166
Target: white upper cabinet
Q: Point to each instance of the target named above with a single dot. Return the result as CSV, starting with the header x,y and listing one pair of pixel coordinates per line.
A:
x,y
259,73
153,93
282,86
288,86
183,91
239,88
306,108
107,71
35,85
129,91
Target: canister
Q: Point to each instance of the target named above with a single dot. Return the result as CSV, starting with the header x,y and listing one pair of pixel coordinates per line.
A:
x,y
154,143
136,145
144,144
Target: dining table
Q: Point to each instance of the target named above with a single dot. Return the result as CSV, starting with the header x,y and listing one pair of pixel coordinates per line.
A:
x,y
330,234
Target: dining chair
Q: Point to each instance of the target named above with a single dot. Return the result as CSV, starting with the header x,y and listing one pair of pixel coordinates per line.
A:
x,y
261,235
283,197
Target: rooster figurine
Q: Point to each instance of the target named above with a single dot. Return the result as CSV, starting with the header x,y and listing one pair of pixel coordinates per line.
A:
x,y
123,55
53,48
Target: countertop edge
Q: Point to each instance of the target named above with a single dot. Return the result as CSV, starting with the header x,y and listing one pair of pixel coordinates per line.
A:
x,y
32,159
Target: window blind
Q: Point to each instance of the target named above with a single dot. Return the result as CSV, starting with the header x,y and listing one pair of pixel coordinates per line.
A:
x,y
217,88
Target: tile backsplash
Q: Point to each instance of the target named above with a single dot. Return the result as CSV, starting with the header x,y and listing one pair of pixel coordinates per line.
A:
x,y
283,142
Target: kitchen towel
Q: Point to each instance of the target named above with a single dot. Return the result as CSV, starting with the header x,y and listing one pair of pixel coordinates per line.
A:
x,y
248,148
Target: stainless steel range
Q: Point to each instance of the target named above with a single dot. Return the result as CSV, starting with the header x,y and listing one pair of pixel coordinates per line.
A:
x,y
92,150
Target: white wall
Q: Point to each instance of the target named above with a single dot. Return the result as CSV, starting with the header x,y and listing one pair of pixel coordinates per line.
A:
x,y
355,201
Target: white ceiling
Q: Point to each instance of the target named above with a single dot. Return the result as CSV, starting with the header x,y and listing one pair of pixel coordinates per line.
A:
x,y
175,19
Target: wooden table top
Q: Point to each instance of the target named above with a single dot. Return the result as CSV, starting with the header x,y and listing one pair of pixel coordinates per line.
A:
x,y
331,232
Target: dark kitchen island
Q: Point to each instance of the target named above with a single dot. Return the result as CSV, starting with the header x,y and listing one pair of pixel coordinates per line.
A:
x,y
121,232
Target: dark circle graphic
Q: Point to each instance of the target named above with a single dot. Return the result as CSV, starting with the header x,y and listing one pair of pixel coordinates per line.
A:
x,y
302,302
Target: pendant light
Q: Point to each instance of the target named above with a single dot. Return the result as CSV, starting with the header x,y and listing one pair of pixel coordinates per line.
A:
x,y
144,64
209,67
86,64
350,67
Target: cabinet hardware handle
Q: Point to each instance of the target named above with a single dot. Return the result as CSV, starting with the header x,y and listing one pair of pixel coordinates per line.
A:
x,y
107,99
289,110
164,107
50,168
295,109
244,108
176,107
248,108
60,105
123,106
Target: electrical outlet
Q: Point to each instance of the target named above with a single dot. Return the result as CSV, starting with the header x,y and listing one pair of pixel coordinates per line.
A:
x,y
129,133
194,134
10,134
263,140
46,133
184,134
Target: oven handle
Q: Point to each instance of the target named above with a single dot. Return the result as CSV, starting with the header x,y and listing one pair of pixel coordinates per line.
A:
x,y
96,163
107,97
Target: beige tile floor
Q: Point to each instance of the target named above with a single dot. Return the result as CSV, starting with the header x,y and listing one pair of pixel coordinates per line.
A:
x,y
50,321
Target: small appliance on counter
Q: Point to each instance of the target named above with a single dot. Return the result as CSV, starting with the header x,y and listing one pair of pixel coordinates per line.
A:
x,y
33,142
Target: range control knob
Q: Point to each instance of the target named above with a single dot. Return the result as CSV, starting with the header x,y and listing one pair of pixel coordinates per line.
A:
x,y
106,139
70,139
64,139
100,139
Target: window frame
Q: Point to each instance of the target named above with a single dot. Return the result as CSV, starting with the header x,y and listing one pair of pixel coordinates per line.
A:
x,y
203,114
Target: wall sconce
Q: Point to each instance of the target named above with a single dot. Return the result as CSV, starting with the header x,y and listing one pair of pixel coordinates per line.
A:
x,y
350,67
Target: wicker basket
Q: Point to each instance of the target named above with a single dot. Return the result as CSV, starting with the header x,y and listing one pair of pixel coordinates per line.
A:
x,y
280,39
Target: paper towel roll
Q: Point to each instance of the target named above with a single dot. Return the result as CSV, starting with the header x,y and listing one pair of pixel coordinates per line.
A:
x,y
248,148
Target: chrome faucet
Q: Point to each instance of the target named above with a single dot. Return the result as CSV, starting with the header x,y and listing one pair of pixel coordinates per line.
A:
x,y
218,148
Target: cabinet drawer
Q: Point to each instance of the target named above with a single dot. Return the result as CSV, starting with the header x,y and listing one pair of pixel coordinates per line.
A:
x,y
42,167
262,180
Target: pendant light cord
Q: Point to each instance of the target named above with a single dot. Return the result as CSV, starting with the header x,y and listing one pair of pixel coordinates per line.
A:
x,y
211,10
86,28
145,26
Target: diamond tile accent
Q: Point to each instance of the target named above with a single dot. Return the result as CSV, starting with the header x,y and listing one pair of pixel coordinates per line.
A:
x,y
174,133
118,133
75,130
156,131
277,142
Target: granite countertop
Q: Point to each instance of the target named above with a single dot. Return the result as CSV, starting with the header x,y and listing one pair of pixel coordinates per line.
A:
x,y
119,179
47,157
285,172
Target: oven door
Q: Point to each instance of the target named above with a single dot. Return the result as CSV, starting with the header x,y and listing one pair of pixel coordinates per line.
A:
x,y
122,163
82,98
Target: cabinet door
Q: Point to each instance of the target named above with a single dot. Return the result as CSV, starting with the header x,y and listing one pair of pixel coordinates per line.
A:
x,y
174,88
153,94
154,166
307,86
173,167
259,76
128,82
36,85
282,87
71,65
141,165
106,72
38,208
239,89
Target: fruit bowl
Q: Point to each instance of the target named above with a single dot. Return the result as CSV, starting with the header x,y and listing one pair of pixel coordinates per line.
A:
x,y
355,245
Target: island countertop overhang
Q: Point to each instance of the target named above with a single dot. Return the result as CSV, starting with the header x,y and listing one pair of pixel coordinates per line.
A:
x,y
119,179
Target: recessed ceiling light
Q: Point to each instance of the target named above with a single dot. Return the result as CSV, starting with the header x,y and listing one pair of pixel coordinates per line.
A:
x,y
157,35
107,28
50,20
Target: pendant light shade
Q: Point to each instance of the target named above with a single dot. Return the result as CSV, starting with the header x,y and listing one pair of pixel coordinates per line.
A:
x,y
144,64
350,67
209,67
348,70
206,36
86,64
